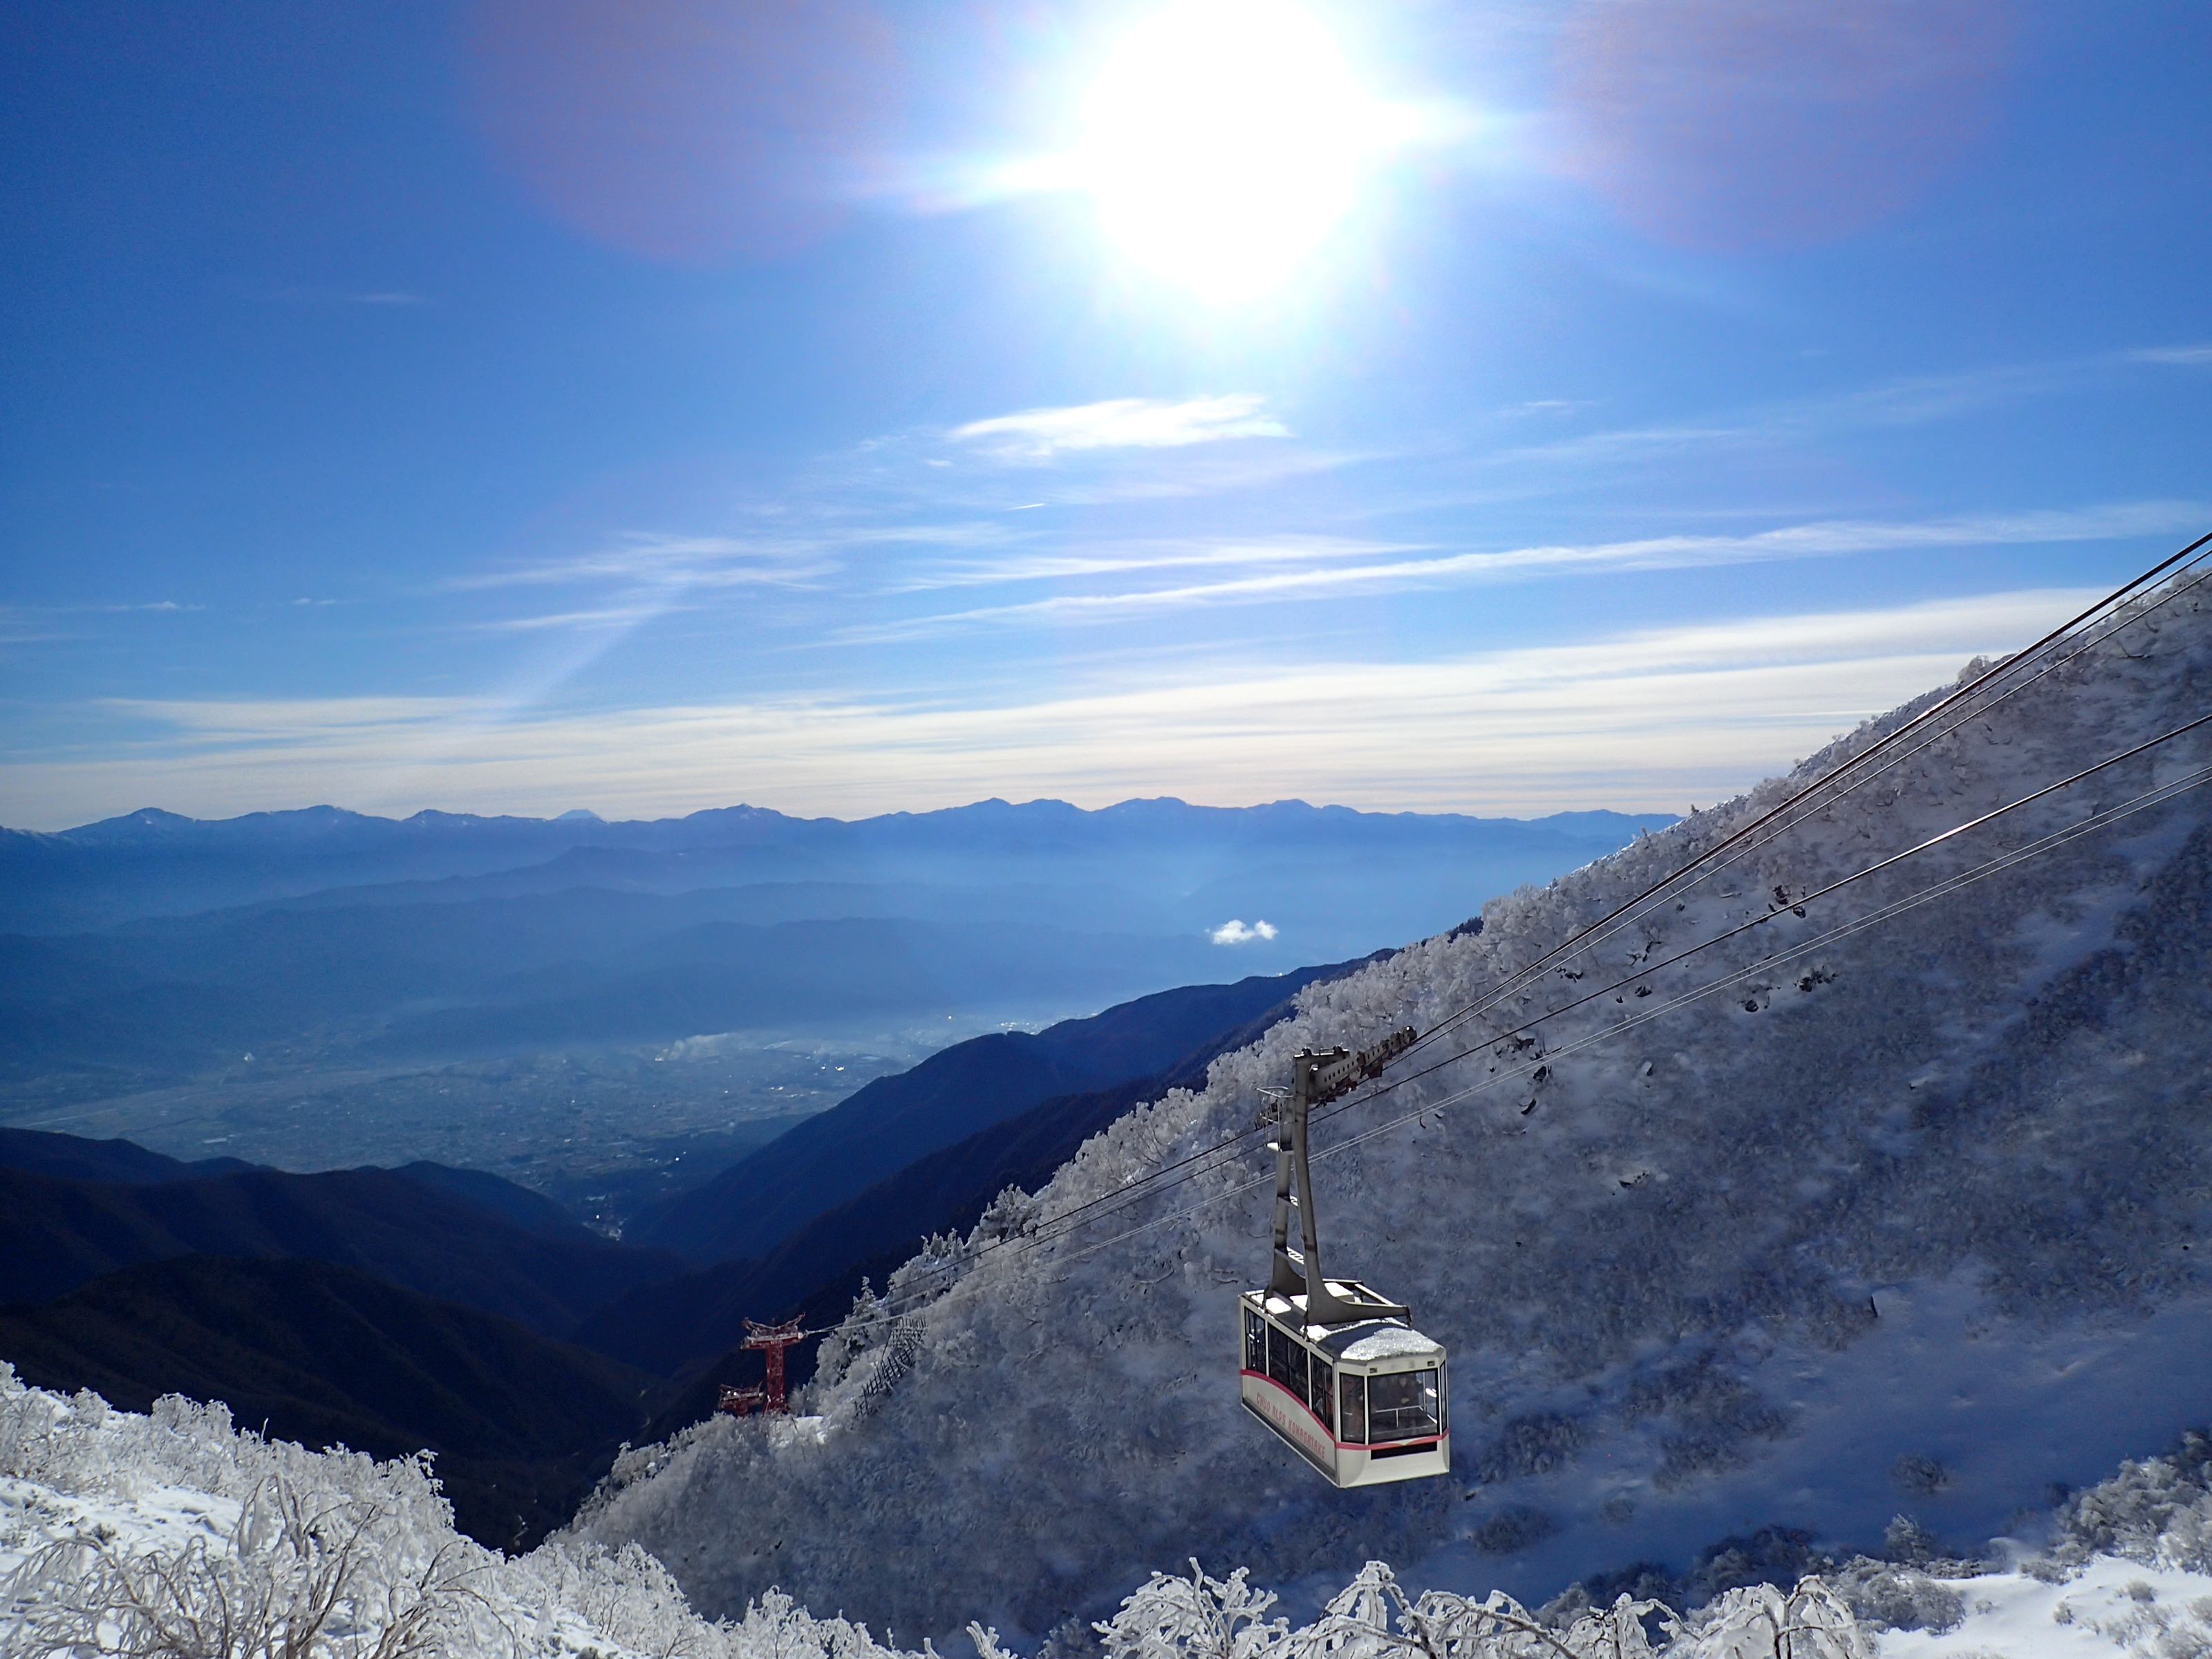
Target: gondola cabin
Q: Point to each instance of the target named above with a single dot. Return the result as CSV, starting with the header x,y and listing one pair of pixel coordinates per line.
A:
x,y
1363,1402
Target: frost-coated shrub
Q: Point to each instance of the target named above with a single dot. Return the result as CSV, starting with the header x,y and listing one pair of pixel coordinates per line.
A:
x,y
303,1572
1204,1618
2158,1511
175,1535
302,1555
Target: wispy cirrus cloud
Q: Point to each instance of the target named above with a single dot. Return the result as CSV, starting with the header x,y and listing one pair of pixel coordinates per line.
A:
x,y
1903,401
646,559
858,541
1310,580
1029,564
1044,435
386,297
610,616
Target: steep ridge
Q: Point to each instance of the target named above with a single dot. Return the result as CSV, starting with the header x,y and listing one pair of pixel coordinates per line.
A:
x,y
814,1271
75,1158
325,1355
1810,1227
833,1157
56,1234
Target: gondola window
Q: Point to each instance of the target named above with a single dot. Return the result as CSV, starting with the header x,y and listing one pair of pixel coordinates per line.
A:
x,y
1404,1405
1353,1420
1286,1362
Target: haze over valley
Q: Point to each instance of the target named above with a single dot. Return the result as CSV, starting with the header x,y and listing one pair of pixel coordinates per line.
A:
x,y
603,1010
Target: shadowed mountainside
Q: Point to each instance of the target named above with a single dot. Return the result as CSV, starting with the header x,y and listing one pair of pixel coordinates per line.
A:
x,y
75,1158
837,1155
816,1271
325,1354
56,1234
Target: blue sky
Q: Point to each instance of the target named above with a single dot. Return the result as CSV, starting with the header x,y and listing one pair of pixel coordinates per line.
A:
x,y
850,407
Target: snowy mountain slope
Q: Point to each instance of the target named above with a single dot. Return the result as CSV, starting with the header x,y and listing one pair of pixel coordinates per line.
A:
x,y
1915,1221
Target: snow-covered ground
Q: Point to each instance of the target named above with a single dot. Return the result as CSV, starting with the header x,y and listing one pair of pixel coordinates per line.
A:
x,y
2157,1612
175,1535
1813,1227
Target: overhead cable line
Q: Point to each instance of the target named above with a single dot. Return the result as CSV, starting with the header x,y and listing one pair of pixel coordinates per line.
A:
x,y
1061,1226
1648,970
1939,889
2192,556
1746,832
1017,1246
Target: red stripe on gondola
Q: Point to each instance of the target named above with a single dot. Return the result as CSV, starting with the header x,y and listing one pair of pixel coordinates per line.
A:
x,y
1433,1442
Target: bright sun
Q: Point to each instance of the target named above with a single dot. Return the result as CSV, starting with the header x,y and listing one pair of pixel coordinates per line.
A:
x,y
1224,141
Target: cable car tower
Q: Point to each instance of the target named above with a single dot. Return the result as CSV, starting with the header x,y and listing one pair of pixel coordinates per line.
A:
x,y
1336,1370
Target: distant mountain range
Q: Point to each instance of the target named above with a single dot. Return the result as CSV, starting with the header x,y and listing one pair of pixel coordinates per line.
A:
x,y
154,949
1202,862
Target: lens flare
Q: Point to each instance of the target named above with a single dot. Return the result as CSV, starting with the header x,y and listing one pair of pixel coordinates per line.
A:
x,y
1732,126
688,131
1224,141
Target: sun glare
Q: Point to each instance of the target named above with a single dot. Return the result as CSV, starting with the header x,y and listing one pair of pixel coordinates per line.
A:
x,y
1224,141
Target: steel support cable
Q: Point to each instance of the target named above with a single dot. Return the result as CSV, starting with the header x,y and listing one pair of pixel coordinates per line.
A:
x,y
1077,1216
1619,922
1860,924
1610,924
1888,913
1023,1244
1062,1226
1606,926
1649,968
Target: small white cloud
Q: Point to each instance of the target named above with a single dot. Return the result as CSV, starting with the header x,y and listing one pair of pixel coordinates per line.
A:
x,y
2190,354
327,296
1040,434
1234,932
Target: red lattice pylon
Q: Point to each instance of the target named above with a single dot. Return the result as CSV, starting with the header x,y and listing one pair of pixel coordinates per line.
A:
x,y
769,1396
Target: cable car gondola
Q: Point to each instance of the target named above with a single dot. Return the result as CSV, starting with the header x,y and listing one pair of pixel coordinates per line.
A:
x,y
1336,1370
